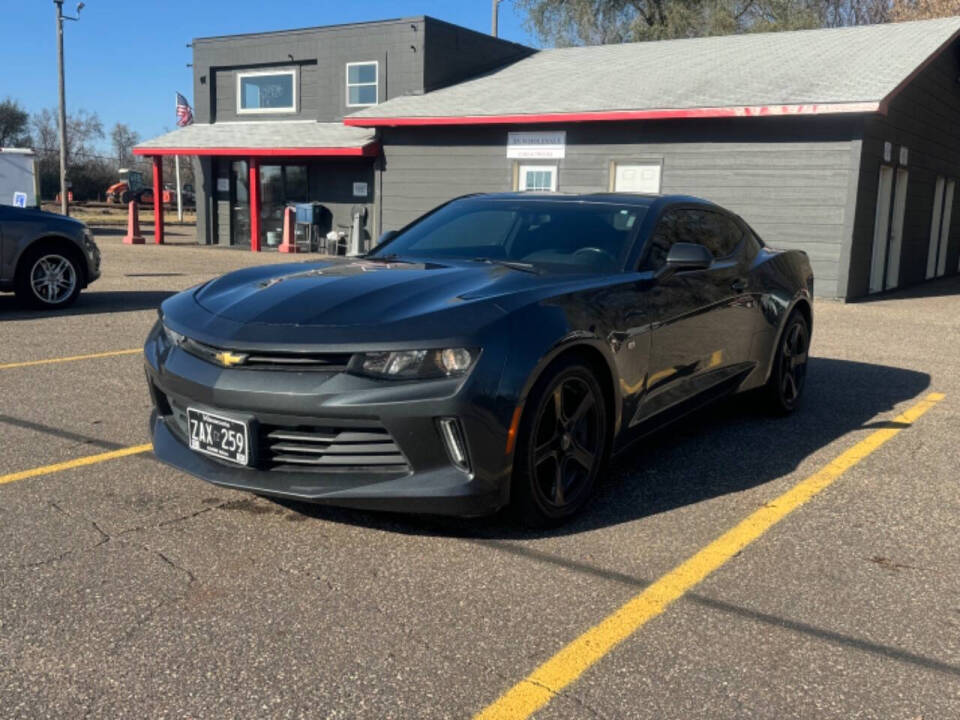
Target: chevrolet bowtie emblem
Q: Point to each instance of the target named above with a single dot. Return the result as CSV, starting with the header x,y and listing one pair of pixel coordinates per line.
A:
x,y
229,359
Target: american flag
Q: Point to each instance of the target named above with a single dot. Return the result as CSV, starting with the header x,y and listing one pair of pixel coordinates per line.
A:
x,y
184,113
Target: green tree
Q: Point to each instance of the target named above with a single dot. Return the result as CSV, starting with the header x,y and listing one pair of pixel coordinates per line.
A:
x,y
14,122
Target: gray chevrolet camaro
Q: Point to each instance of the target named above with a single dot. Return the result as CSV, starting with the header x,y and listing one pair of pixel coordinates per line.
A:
x,y
495,351
45,258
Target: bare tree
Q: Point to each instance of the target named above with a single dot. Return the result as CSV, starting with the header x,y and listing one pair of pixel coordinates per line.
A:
x,y
123,139
591,22
923,9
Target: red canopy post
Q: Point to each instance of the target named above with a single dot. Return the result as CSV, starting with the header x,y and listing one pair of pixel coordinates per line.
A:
x,y
158,199
254,190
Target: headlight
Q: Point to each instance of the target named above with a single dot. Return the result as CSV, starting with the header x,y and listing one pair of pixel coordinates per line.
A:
x,y
171,336
406,364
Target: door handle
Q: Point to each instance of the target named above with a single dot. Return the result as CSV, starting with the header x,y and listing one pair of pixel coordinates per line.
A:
x,y
738,285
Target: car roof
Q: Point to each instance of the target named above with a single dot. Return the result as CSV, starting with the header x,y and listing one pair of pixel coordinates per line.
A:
x,y
633,199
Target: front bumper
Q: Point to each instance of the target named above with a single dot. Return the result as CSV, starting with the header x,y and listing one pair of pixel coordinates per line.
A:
x,y
406,412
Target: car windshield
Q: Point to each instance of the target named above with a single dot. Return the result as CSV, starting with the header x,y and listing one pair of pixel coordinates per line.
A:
x,y
550,235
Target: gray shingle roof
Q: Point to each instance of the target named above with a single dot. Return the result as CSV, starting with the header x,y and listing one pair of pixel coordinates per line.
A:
x,y
261,135
845,65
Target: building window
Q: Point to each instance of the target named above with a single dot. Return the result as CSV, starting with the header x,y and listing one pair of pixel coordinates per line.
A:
x,y
267,92
362,80
639,177
538,178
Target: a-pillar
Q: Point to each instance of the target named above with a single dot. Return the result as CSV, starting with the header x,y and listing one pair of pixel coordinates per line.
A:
x,y
254,191
158,199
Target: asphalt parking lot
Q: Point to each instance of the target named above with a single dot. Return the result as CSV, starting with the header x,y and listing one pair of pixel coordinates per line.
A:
x,y
128,589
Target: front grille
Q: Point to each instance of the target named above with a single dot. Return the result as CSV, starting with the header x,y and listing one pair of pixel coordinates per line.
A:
x,y
330,449
368,447
318,362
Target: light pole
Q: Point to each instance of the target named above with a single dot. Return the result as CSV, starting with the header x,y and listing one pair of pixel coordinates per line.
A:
x,y
64,197
495,18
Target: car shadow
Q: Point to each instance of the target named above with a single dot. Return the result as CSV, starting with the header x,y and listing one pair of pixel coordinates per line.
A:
x,y
726,448
88,303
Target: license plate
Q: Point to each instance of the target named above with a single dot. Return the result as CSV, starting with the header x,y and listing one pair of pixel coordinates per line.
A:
x,y
219,436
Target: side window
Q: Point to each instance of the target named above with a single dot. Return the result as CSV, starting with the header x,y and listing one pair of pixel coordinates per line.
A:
x,y
719,234
674,226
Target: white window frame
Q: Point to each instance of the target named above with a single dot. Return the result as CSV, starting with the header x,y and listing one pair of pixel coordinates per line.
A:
x,y
536,167
376,83
292,72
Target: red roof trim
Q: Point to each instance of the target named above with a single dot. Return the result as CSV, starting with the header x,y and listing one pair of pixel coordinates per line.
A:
x,y
613,115
369,150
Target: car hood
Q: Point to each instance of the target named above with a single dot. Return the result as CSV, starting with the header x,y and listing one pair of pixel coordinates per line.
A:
x,y
359,292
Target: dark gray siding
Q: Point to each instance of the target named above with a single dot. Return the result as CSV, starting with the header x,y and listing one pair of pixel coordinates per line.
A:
x,y
331,183
454,53
320,55
789,178
925,118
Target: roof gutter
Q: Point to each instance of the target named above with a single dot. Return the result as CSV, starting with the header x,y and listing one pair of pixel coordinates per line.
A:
x,y
369,150
619,115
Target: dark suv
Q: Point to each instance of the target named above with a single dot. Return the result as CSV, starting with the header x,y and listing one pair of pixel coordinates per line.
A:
x,y
45,258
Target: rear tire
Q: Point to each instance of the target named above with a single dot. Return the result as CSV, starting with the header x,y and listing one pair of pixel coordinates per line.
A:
x,y
784,389
48,277
561,446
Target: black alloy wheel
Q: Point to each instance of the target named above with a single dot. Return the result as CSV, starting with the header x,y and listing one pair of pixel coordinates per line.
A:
x,y
562,446
789,372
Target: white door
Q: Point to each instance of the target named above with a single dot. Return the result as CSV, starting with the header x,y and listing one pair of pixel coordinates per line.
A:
x,y
945,228
896,229
636,178
881,228
935,224
538,178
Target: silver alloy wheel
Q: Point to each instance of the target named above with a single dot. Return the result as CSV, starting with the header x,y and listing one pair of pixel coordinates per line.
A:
x,y
53,279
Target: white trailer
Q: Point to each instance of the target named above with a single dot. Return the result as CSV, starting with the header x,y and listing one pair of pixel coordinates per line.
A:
x,y
19,181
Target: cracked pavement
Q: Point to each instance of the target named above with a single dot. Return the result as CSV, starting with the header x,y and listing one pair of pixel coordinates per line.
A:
x,y
128,589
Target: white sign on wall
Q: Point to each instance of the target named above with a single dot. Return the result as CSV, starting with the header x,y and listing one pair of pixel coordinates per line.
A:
x,y
223,184
537,145
637,178
360,189
20,199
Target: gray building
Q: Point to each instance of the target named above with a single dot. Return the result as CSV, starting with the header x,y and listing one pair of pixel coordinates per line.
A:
x,y
842,142
268,111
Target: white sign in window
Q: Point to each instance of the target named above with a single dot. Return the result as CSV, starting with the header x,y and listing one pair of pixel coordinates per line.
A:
x,y
537,145
362,83
267,92
637,178
538,178
223,184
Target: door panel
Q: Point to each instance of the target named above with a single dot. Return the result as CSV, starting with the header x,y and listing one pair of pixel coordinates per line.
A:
x,y
896,229
945,228
704,320
881,229
935,228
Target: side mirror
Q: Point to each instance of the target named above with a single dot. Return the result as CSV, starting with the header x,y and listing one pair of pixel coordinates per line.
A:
x,y
685,257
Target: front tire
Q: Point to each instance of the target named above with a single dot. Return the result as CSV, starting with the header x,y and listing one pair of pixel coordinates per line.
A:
x,y
789,372
561,446
48,278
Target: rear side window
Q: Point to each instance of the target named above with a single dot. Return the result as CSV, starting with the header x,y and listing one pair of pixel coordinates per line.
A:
x,y
720,234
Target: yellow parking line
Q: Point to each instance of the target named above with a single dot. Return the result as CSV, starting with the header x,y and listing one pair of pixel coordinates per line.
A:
x,y
79,462
71,358
539,687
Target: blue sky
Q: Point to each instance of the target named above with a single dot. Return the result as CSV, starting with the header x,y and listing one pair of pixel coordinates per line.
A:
x,y
125,60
